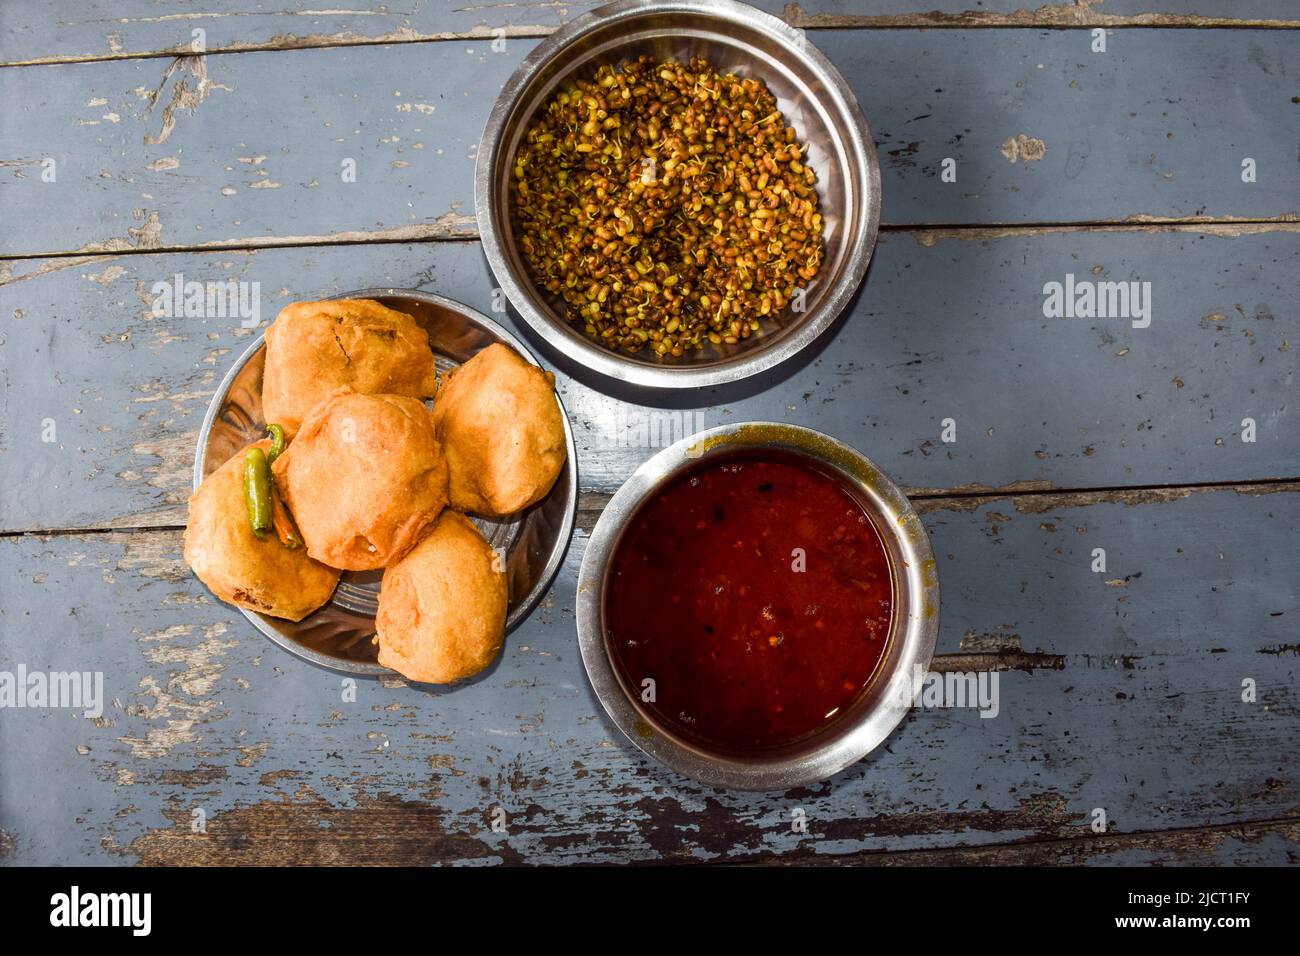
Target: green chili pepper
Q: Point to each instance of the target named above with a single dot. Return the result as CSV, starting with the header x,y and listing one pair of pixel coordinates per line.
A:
x,y
257,491
277,443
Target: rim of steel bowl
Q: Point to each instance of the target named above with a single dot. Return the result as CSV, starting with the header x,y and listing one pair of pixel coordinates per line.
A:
x,y
914,624
812,95
352,614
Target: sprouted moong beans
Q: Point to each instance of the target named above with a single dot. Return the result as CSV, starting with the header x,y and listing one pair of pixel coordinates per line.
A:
x,y
669,206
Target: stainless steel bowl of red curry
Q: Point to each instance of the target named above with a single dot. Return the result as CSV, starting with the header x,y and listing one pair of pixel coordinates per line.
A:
x,y
755,604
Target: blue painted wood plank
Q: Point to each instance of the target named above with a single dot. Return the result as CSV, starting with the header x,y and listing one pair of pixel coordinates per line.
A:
x,y
1129,699
29,32
943,328
252,149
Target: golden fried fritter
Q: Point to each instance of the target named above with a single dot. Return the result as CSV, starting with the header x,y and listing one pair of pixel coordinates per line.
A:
x,y
260,574
313,348
442,608
364,478
502,431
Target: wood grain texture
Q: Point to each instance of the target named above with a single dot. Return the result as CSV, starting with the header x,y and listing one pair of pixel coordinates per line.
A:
x,y
1256,844
114,29
249,149
1139,712
1120,690
943,328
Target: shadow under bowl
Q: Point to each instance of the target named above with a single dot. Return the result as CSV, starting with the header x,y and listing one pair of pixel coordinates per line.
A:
x,y
909,646
812,96
339,635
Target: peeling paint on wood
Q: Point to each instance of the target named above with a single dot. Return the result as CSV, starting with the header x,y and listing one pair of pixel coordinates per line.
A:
x,y
414,169
1123,698
1253,844
1061,15
883,380
306,830
133,28
1121,689
1022,148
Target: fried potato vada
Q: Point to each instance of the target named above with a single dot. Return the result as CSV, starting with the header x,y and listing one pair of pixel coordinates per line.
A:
x,y
442,608
260,574
502,431
364,478
313,348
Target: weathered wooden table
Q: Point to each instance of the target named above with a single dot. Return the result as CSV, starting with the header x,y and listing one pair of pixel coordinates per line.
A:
x,y
1162,690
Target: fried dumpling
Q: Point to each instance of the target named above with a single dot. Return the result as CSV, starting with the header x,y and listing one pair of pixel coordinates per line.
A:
x,y
364,479
314,348
502,431
442,608
260,574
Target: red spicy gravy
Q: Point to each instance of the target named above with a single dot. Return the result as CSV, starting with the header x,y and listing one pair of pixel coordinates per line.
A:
x,y
756,594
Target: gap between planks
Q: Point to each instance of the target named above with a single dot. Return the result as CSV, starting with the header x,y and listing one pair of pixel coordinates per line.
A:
x,y
1177,842
1028,498
1058,17
924,234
